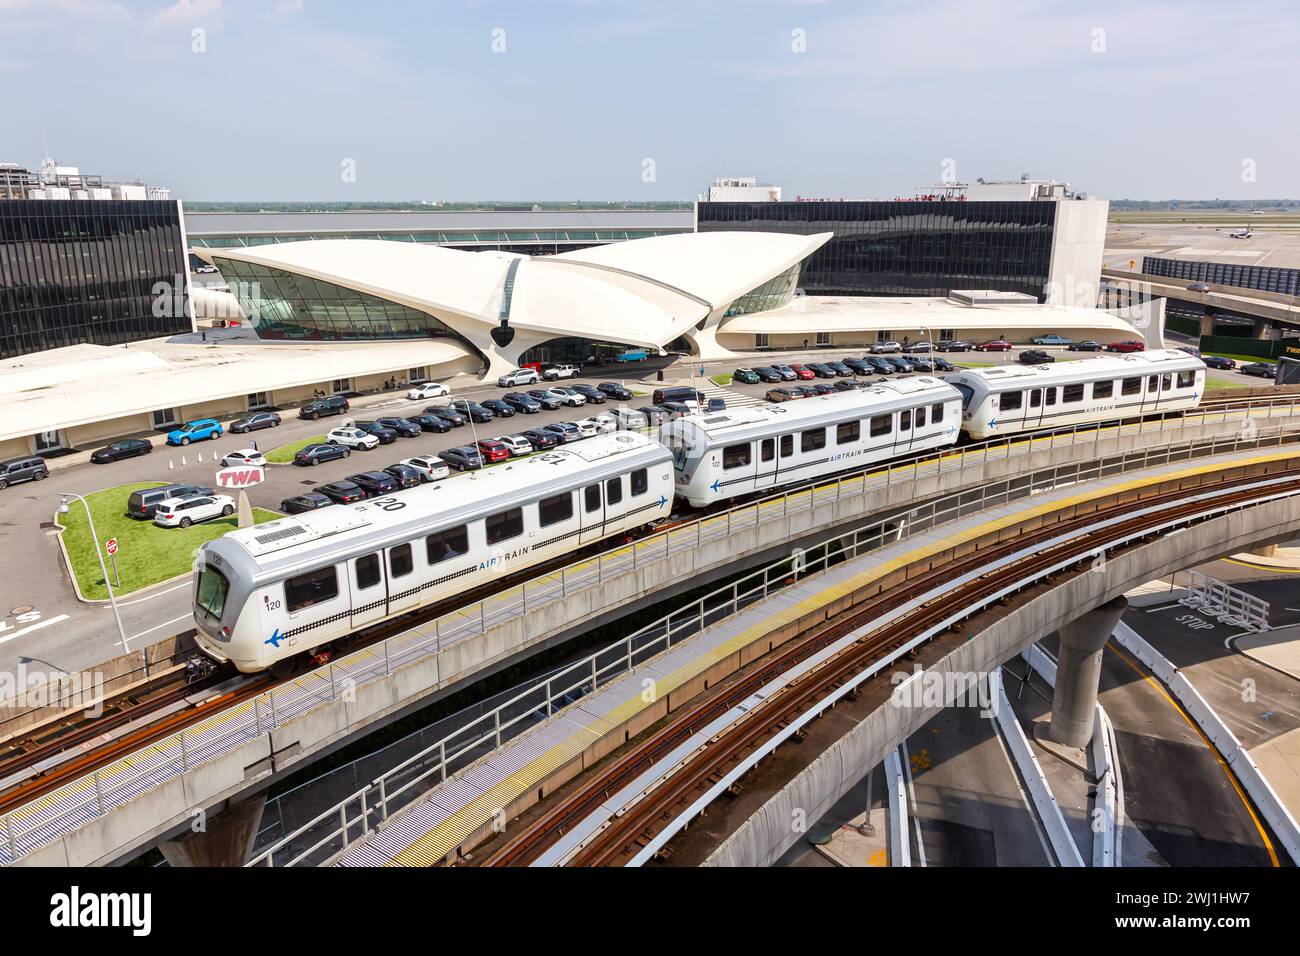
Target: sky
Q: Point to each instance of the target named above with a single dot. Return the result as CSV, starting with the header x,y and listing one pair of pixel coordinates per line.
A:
x,y
360,100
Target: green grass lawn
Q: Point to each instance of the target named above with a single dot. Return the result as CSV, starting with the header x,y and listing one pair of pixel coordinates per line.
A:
x,y
284,454
721,380
1241,359
1213,384
147,554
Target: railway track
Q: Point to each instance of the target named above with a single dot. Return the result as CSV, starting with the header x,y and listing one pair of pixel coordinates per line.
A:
x,y
631,828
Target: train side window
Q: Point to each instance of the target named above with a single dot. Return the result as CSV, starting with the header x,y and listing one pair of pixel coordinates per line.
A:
x,y
905,421
614,490
1131,386
767,449
641,481
920,417
314,587
591,498
847,431
1153,383
1166,382
400,562
1186,379
1011,400
368,571
936,414
1073,393
555,509
1103,389
1035,397
812,439
787,446
451,543
505,525
1050,395
736,456
881,425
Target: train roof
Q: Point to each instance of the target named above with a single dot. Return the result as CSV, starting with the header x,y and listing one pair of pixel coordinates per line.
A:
x,y
1133,363
463,497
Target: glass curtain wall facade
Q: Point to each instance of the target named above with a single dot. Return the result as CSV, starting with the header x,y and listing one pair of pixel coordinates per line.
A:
x,y
906,248
85,271
777,292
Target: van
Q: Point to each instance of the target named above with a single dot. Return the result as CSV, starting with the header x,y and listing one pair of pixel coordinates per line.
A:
x,y
144,503
691,397
14,470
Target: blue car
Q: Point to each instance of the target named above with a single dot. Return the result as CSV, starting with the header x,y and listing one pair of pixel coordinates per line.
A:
x,y
195,431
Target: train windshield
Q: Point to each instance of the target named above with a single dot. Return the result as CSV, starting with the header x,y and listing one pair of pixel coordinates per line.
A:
x,y
677,446
967,393
212,591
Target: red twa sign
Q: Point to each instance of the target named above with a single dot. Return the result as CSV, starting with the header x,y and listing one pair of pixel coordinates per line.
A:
x,y
244,476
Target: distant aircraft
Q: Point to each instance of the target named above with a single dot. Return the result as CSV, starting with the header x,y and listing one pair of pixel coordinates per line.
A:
x,y
1240,233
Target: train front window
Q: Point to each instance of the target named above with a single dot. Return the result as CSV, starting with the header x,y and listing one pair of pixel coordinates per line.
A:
x,y
212,591
967,394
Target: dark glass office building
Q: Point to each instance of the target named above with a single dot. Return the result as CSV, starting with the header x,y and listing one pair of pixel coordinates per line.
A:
x,y
74,271
915,248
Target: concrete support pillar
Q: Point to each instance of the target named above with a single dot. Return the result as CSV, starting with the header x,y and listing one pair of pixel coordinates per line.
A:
x,y
1207,322
225,840
1265,551
1078,671
1263,329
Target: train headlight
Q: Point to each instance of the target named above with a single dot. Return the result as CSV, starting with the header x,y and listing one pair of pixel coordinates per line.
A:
x,y
225,633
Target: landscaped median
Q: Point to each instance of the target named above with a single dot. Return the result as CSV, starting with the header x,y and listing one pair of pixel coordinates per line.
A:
x,y
722,380
146,553
283,455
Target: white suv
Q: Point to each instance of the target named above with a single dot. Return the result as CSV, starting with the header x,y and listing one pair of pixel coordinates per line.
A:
x,y
557,372
352,438
430,468
881,348
520,376
569,397
428,390
183,512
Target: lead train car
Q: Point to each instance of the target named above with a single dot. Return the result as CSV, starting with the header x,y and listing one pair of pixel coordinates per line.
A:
x,y
268,593
1017,398
725,454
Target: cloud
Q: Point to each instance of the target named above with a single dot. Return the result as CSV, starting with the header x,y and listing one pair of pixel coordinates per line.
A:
x,y
286,8
184,12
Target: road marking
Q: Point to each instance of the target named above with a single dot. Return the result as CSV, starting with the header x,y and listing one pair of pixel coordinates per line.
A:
x,y
1162,607
33,627
183,617
109,607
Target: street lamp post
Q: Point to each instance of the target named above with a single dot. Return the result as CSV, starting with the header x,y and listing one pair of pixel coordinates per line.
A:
x,y
121,633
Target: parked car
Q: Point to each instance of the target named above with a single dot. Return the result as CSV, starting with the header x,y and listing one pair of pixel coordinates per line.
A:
x,y
823,388
403,427
940,364
840,369
464,458
1190,350
803,373
183,512
994,345
447,414
351,437
953,345
569,397
374,483
143,503
846,385
517,445
126,448
342,492
255,423
1219,362
786,372
593,395
334,405
1034,357
716,404
616,391
1051,339
768,375
883,366
315,454
520,376
782,394
607,423
821,370
1199,287
1087,345
428,390
1262,369
311,501
540,439
25,468
499,409
245,456
475,411
557,372
654,415
901,362
545,398
1128,345
859,366
522,403
204,429
586,427
384,434
404,475
432,423
881,348
492,450
428,467
565,431
920,345
745,376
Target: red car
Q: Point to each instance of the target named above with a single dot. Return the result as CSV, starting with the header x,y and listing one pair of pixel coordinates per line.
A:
x,y
804,374
997,345
1131,345
492,450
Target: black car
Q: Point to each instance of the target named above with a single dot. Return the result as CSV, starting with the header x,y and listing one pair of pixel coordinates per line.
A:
x,y
1262,369
335,405
375,483
716,405
522,403
432,423
940,364
804,391
126,448
499,408
1218,361
477,412
901,363
342,492
385,435
404,427
859,366
540,439
1087,345
464,458
745,376
144,503
655,414
255,423
564,431
882,365
823,388
821,369
768,376
544,398
840,369
676,408
593,395
407,477
311,501
315,454
1190,350
615,390
447,414
922,363
846,385
1035,357
953,345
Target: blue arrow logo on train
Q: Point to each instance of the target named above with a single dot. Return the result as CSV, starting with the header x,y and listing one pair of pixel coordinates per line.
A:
x,y
275,639
717,483
993,423
662,501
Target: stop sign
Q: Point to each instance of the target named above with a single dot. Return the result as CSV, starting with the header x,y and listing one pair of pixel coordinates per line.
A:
x,y
111,546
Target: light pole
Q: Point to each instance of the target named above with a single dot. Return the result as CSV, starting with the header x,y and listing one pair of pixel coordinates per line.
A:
x,y
121,633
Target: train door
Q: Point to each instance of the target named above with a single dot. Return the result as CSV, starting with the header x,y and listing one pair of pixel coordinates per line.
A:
x,y
403,582
1034,413
369,589
765,468
903,441
592,514
615,503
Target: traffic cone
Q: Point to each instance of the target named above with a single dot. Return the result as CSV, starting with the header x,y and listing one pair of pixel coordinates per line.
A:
x,y
183,461
171,465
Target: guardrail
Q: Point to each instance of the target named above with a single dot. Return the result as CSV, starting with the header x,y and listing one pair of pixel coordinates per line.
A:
x,y
900,834
362,812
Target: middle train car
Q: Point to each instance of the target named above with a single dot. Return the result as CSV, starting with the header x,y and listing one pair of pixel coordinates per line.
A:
x,y
721,455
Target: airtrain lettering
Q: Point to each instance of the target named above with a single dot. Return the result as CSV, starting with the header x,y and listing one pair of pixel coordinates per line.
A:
x,y
502,558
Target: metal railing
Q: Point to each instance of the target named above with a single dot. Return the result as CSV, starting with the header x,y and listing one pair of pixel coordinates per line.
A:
x,y
1230,605
361,813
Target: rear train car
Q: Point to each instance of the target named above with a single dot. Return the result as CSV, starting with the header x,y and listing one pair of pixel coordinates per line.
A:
x,y
717,456
268,593
1016,398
